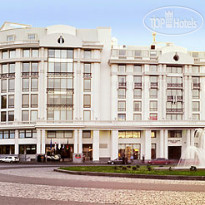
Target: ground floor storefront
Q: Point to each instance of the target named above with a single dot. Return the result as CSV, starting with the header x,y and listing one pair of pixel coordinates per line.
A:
x,y
96,145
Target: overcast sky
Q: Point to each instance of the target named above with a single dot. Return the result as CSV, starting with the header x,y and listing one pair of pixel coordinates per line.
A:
x,y
125,17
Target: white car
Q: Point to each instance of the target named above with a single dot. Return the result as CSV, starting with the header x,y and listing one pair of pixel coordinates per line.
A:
x,y
10,159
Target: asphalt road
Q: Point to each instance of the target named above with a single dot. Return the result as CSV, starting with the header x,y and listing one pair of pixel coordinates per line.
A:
x,y
40,185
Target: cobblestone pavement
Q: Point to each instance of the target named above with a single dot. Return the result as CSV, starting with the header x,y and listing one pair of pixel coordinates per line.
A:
x,y
89,195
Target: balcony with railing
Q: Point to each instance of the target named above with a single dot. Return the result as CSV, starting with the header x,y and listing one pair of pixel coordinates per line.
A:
x,y
29,74
137,85
7,75
122,84
60,105
175,85
139,54
154,85
137,109
87,75
172,98
196,85
174,110
60,74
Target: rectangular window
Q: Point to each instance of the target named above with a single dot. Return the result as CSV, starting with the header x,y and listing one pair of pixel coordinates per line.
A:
x,y
153,93
121,93
87,54
121,117
87,85
68,134
195,106
11,101
6,134
121,68
137,69
34,100
12,134
137,106
153,106
31,36
3,86
28,134
51,134
11,116
5,55
34,53
26,53
196,94
195,69
196,117
129,134
174,134
10,38
87,115
86,134
87,101
137,117
25,84
137,93
25,101
3,101
34,84
87,68
11,85
25,67
12,68
12,54
153,68
25,115
153,134
34,67
4,69
51,53
70,54
121,105
153,116
3,116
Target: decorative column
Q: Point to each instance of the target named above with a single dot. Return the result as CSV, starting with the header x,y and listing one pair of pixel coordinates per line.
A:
x,y
38,141
147,144
80,141
43,142
75,141
16,142
96,145
166,144
114,92
114,144
161,143
145,95
129,93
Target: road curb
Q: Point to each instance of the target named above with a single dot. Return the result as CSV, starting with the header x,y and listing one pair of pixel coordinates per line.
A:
x,y
141,176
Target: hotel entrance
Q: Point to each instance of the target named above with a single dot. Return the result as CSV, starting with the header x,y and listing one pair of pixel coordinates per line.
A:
x,y
174,152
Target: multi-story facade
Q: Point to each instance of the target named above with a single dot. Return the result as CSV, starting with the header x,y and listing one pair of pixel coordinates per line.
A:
x,y
74,90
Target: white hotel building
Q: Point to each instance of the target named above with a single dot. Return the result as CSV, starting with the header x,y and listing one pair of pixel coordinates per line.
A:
x,y
78,91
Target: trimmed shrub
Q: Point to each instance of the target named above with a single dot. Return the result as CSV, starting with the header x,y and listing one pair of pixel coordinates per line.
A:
x,y
124,168
149,168
193,168
134,168
137,166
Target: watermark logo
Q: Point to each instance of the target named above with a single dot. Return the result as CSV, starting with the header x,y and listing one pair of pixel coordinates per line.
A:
x,y
173,20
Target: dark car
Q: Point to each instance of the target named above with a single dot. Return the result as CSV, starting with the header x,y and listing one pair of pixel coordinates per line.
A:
x,y
160,161
115,161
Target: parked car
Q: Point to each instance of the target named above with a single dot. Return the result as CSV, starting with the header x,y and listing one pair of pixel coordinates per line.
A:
x,y
160,161
56,157
10,159
115,161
